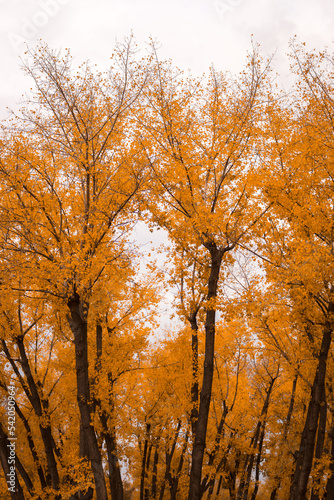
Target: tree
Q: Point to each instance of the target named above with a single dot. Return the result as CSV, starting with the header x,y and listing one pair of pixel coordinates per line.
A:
x,y
69,175
199,140
299,231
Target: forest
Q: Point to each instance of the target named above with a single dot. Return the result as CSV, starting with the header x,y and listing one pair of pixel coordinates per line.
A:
x,y
200,367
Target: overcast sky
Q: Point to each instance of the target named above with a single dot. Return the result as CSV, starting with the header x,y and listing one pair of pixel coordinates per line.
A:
x,y
193,33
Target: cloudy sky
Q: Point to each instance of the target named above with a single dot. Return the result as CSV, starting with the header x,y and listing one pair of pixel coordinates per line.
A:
x,y
193,33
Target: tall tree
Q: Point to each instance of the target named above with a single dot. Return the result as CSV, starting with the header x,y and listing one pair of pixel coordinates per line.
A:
x,y
299,237
199,140
69,174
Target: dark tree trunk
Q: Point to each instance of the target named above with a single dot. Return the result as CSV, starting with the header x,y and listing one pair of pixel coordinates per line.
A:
x,y
147,466
205,397
330,481
115,479
232,481
194,386
78,322
257,465
249,461
143,466
17,494
32,447
108,428
169,457
307,443
274,493
155,472
175,482
220,482
40,407
319,448
216,448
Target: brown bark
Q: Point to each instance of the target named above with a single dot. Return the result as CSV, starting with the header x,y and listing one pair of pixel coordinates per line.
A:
x,y
155,471
330,481
274,493
115,479
205,396
147,466
108,427
4,447
319,448
249,461
144,461
194,386
32,447
169,458
175,480
40,407
257,465
215,450
78,323
307,443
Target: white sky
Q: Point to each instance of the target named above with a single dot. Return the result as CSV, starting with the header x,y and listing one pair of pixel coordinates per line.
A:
x,y
193,33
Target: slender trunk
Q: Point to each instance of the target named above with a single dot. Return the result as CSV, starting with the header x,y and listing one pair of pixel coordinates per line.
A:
x,y
249,461
115,478
290,410
32,447
232,481
274,493
257,465
205,397
16,492
194,385
169,457
41,409
216,448
220,482
173,490
155,472
330,481
143,466
78,323
307,443
108,427
320,442
148,460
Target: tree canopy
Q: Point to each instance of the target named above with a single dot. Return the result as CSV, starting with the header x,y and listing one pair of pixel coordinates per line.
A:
x,y
234,399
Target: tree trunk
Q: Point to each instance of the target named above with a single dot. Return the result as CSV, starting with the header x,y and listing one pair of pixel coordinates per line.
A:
x,y
194,385
257,465
174,488
205,397
108,427
40,407
274,493
17,494
115,479
32,447
248,466
155,472
216,448
78,322
143,467
147,467
320,440
330,481
169,457
307,443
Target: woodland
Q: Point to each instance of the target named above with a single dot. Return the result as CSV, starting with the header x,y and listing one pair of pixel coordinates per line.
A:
x,y
229,394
